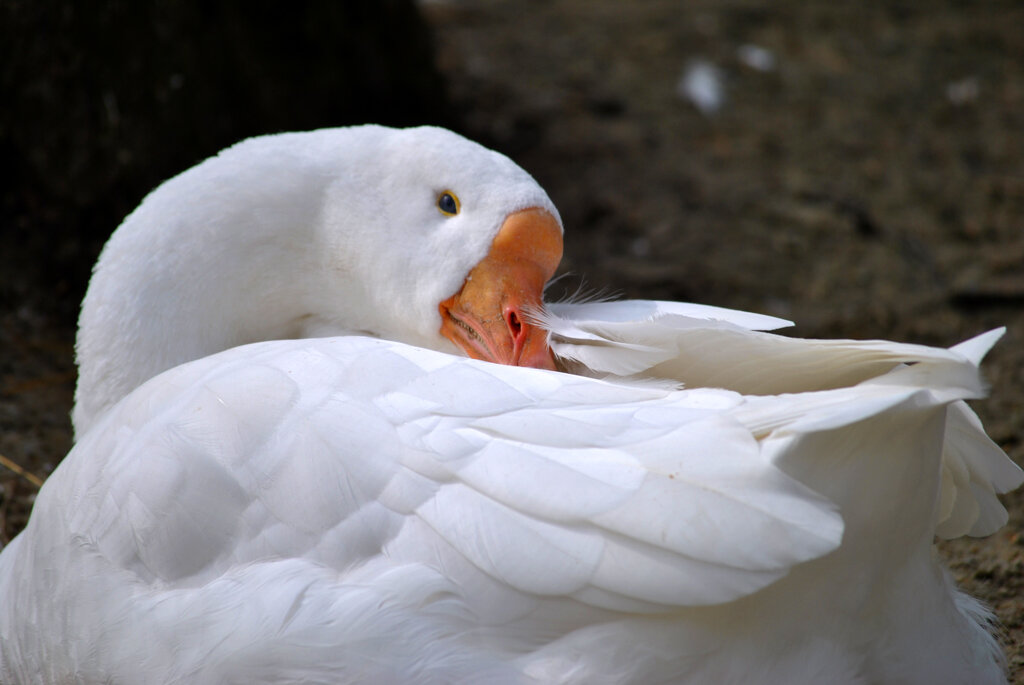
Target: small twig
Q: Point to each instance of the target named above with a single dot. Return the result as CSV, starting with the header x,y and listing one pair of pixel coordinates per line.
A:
x,y
27,475
5,505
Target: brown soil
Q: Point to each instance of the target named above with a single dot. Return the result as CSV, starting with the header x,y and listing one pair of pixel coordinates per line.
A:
x,y
870,185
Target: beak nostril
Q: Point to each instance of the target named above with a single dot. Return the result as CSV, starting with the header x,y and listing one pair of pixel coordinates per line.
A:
x,y
514,326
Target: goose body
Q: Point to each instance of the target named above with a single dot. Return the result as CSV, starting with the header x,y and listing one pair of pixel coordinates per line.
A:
x,y
285,473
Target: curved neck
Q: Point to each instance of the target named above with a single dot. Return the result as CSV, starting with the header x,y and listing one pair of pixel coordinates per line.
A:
x,y
176,283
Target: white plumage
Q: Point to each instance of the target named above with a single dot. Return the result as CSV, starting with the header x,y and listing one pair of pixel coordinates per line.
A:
x,y
703,503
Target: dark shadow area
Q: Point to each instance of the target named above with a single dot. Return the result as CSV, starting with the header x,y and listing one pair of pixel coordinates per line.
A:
x,y
104,101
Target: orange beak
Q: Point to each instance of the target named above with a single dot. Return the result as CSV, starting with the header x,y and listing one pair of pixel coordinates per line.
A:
x,y
485,318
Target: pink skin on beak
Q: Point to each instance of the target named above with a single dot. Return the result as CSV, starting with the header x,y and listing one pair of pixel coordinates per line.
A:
x,y
485,318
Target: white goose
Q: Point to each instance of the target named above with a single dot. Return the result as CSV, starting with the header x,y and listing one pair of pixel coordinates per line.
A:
x,y
375,507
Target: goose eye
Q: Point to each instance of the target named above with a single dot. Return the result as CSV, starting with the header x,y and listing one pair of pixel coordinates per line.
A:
x,y
448,203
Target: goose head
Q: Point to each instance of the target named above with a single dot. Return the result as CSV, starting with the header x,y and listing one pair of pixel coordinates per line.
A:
x,y
414,235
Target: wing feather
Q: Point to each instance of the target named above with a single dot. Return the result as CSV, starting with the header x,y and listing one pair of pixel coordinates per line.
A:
x,y
546,482
717,348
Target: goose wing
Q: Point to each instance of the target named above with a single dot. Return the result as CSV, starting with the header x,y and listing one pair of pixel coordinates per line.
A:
x,y
701,346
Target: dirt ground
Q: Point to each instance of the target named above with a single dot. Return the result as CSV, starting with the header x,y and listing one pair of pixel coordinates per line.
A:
x,y
862,176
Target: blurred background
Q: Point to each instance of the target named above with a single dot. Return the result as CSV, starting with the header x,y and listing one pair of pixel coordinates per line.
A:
x,y
859,170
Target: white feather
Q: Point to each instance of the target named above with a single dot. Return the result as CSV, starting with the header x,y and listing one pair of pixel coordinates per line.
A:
x,y
356,509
